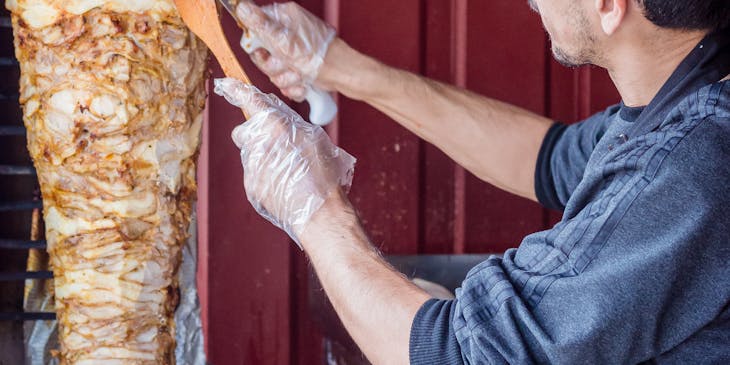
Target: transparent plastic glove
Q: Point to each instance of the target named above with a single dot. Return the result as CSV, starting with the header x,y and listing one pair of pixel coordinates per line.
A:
x,y
294,42
290,166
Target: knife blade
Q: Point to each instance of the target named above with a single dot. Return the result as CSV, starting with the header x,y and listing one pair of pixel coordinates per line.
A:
x,y
230,6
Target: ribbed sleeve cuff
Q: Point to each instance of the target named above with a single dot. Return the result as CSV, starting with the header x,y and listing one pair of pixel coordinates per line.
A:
x,y
433,340
544,182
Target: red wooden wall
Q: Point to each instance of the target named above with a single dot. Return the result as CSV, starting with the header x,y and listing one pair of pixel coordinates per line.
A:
x,y
411,197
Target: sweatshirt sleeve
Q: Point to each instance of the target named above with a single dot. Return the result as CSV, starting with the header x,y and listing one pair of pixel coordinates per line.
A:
x,y
432,334
564,155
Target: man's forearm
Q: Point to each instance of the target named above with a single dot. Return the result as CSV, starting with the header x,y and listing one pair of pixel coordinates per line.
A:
x,y
376,303
497,142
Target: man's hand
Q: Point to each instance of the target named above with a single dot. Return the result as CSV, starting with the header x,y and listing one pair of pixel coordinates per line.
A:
x,y
290,166
296,40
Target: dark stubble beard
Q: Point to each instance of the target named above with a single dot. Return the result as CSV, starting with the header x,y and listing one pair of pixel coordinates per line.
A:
x,y
585,51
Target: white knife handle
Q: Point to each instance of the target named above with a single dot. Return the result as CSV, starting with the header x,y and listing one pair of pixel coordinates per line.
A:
x,y
322,108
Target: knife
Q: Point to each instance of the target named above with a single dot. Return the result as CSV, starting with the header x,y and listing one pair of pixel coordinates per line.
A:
x,y
322,107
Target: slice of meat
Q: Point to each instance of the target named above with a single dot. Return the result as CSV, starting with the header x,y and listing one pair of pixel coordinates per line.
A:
x,y
112,93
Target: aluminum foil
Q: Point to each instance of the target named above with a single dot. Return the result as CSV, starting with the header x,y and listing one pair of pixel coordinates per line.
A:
x,y
188,325
41,337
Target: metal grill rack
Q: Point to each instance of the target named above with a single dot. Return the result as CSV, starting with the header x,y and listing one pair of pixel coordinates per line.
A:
x,y
8,94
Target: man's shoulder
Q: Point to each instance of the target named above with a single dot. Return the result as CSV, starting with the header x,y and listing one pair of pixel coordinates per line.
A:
x,y
700,123
710,103
690,147
715,100
696,139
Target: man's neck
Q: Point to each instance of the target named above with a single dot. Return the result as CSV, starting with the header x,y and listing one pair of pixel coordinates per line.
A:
x,y
641,68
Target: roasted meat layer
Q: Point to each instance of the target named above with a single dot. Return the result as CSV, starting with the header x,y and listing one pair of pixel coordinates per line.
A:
x,y
112,95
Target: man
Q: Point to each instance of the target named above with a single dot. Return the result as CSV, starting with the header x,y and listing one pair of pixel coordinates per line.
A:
x,y
637,269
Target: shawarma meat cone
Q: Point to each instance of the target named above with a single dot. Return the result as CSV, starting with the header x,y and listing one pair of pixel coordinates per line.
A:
x,y
113,93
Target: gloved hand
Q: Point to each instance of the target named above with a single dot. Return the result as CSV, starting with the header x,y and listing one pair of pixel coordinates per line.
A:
x,y
290,166
297,41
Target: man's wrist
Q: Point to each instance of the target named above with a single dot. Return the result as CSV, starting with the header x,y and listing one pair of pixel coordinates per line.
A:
x,y
332,73
347,71
334,222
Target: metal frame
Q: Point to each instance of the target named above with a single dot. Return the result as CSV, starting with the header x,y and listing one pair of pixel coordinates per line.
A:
x,y
19,206
21,244
16,170
11,130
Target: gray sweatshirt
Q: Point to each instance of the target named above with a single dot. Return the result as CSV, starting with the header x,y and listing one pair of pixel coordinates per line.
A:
x,y
638,269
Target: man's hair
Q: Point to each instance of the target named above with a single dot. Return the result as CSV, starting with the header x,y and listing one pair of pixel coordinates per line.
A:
x,y
688,14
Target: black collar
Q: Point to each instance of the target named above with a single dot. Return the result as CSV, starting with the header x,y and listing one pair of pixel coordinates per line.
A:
x,y
630,113
709,62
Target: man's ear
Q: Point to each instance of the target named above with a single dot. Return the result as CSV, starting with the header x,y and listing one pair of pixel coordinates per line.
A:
x,y
611,13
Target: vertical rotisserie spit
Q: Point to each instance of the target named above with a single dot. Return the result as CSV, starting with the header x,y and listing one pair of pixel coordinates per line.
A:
x,y
112,93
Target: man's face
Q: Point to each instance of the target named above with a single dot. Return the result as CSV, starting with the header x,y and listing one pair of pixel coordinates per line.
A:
x,y
569,26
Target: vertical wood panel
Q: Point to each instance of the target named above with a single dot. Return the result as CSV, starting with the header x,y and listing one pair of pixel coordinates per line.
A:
x,y
249,261
386,186
459,54
506,61
437,224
